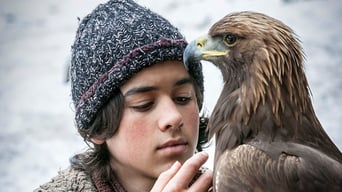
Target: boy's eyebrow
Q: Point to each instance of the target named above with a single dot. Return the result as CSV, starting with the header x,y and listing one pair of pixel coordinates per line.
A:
x,y
139,90
145,89
183,81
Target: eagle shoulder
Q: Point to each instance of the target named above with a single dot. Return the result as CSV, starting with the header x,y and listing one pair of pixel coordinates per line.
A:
x,y
295,168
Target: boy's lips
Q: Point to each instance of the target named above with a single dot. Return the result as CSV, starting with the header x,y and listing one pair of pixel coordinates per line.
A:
x,y
173,146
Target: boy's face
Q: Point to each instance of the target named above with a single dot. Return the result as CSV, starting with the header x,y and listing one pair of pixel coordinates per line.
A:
x,y
159,124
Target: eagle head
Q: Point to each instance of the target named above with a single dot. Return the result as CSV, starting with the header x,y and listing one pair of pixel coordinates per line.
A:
x,y
245,41
261,61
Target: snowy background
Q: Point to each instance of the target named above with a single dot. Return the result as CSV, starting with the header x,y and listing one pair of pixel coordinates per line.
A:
x,y
37,134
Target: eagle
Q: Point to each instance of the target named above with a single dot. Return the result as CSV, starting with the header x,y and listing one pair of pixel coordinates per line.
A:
x,y
268,137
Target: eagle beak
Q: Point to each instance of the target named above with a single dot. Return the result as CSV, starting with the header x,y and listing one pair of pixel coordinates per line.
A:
x,y
202,48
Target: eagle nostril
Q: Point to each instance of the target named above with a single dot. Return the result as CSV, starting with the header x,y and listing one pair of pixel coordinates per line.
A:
x,y
200,45
200,42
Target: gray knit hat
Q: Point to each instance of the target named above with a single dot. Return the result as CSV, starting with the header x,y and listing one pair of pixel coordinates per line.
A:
x,y
115,41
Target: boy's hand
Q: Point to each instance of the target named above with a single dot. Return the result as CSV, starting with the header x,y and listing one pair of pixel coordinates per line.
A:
x,y
178,177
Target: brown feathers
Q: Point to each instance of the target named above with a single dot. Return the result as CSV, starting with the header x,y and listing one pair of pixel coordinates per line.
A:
x,y
273,59
264,109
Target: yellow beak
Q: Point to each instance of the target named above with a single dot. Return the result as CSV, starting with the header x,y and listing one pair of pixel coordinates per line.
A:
x,y
202,48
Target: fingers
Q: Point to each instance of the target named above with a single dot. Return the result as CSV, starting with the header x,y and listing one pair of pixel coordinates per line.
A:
x,y
203,183
185,175
178,177
165,177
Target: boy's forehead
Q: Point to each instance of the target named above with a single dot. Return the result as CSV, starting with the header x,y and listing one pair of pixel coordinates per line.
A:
x,y
156,80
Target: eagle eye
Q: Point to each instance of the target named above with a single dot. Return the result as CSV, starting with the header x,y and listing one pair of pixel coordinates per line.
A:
x,y
230,39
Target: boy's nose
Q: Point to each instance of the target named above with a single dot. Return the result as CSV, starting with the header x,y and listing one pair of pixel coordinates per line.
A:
x,y
170,117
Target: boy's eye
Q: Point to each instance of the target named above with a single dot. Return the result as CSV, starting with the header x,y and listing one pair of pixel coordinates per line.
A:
x,y
182,100
143,107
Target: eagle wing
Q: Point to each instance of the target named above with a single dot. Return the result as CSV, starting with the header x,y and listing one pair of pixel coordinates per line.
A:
x,y
290,167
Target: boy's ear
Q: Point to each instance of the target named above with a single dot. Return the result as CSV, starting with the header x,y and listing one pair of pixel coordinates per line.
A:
x,y
97,141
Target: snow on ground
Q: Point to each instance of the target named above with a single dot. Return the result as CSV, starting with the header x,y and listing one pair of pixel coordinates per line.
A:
x,y
36,114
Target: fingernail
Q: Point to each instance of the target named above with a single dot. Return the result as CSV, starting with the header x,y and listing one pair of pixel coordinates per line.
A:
x,y
175,165
204,154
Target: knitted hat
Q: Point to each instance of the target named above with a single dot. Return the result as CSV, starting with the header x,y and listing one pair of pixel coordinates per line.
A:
x,y
115,41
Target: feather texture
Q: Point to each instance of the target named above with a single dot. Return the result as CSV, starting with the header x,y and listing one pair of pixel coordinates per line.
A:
x,y
268,137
